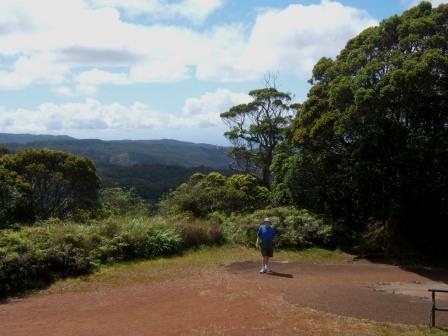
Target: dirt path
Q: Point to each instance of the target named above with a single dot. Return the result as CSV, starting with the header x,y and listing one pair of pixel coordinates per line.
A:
x,y
368,291
235,301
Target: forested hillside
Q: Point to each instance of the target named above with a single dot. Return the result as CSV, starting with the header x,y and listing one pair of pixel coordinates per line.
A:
x,y
128,152
149,181
151,167
8,138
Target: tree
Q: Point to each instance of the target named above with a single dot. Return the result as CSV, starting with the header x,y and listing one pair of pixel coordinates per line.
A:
x,y
119,201
13,191
374,130
3,150
204,194
59,183
256,129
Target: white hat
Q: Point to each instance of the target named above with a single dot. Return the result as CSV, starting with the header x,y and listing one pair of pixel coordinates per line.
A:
x,y
267,219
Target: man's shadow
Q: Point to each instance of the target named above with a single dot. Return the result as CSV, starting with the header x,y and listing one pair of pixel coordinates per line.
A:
x,y
282,275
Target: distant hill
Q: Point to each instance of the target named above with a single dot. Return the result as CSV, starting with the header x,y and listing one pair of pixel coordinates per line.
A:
x,y
6,138
126,152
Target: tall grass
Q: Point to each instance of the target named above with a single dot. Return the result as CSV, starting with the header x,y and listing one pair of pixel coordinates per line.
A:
x,y
32,257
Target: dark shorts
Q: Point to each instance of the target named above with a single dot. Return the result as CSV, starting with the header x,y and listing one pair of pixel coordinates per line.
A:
x,y
267,249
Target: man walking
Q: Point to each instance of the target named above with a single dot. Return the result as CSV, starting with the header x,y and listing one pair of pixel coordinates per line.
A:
x,y
265,240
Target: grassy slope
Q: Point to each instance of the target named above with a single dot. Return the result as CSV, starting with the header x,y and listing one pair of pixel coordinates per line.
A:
x,y
210,260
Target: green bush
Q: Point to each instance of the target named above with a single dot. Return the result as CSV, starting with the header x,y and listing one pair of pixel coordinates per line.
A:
x,y
204,194
119,201
296,228
32,257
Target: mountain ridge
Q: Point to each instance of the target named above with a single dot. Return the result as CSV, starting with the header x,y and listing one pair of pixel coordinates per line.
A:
x,y
126,152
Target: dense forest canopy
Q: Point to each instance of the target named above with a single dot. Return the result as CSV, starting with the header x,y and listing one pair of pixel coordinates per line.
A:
x,y
370,144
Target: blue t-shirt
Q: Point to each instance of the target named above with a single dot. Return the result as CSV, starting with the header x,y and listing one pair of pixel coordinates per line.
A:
x,y
266,233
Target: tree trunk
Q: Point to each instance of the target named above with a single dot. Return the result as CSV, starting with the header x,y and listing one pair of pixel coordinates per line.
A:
x,y
266,176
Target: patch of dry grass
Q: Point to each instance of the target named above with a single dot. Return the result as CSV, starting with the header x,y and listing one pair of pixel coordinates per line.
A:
x,y
206,259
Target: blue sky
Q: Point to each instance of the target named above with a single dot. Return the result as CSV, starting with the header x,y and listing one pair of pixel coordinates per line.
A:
x,y
151,69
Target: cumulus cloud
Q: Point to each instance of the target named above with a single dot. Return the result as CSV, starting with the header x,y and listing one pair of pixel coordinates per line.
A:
x,y
38,68
204,111
194,10
290,40
79,37
90,114
88,81
63,91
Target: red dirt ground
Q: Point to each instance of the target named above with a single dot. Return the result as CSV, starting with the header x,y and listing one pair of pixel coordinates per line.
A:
x,y
237,301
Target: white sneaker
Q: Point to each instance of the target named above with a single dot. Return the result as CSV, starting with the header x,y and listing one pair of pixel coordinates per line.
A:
x,y
268,270
263,270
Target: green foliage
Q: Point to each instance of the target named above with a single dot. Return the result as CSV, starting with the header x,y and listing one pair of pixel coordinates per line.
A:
x,y
118,201
127,153
13,190
3,150
256,129
204,194
149,181
58,184
371,139
151,167
296,228
137,241
35,256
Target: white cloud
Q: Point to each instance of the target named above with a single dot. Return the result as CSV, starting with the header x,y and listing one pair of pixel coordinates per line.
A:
x,y
37,68
290,41
204,111
194,10
87,81
63,91
90,114
159,72
51,49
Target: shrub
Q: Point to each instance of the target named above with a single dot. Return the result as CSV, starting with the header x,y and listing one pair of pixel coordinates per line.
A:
x,y
204,194
32,257
296,228
195,232
118,201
